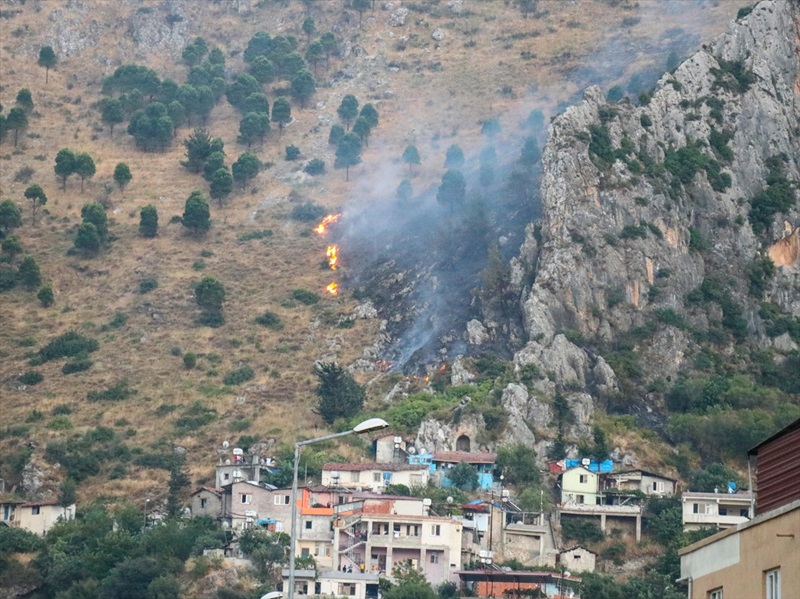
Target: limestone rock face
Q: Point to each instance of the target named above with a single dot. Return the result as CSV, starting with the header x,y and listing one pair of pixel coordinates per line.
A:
x,y
434,435
614,251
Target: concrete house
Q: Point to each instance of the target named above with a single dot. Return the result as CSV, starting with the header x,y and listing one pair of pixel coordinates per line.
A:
x,y
577,559
756,558
483,463
373,476
717,510
209,502
39,516
355,585
580,486
649,483
379,532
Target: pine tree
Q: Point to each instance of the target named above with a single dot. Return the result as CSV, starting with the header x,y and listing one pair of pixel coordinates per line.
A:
x,y
148,221
196,215
47,59
340,395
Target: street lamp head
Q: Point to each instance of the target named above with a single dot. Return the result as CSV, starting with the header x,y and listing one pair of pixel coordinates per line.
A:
x,y
373,424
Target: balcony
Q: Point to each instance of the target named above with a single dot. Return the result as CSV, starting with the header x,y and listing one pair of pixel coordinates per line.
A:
x,y
608,510
713,520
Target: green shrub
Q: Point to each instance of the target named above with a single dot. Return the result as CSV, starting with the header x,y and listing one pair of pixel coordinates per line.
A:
x,y
633,232
239,376
31,377
189,360
79,365
645,121
600,146
118,392
8,279
581,530
306,297
315,166
263,234
68,345
62,409
147,285
61,422
239,425
732,76
292,152
308,212
615,552
194,417
270,320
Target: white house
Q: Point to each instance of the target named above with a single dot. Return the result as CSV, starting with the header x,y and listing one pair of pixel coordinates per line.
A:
x,y
717,510
373,476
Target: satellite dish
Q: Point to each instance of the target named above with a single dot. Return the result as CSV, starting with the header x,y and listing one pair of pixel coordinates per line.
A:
x,y
421,451
237,451
449,500
225,445
227,462
411,450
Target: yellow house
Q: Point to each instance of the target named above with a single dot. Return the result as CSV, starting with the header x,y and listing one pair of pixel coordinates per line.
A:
x,y
580,486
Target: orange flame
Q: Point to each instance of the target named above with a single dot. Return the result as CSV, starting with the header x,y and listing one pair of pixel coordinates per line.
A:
x,y
322,227
333,289
442,368
333,256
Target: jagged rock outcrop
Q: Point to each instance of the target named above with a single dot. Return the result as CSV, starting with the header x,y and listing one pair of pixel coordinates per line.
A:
x,y
435,435
620,233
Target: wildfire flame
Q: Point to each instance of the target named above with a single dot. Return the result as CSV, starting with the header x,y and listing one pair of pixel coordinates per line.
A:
x,y
322,227
333,256
333,289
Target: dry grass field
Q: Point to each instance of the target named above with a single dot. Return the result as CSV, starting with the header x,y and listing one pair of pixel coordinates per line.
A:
x,y
491,62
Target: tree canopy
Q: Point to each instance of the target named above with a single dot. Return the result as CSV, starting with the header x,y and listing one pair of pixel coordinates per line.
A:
x,y
340,396
196,215
348,153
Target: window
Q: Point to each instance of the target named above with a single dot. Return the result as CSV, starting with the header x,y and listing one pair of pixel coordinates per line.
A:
x,y
203,502
773,582
695,508
715,594
376,477
436,530
247,498
584,478
580,499
744,512
304,552
35,510
723,510
434,558
226,476
281,500
308,524
354,477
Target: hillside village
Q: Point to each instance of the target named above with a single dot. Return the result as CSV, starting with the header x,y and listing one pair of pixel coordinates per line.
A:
x,y
369,520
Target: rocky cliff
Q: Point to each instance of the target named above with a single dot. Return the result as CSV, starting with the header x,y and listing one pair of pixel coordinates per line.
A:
x,y
632,220
669,228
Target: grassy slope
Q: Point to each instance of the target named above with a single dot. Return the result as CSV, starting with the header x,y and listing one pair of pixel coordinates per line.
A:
x,y
429,108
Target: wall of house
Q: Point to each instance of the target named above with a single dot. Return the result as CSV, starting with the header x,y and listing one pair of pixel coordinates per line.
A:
x,y
214,504
43,521
737,562
578,560
647,486
708,511
571,486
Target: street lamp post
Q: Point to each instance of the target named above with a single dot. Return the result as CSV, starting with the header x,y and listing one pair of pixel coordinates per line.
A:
x,y
373,424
